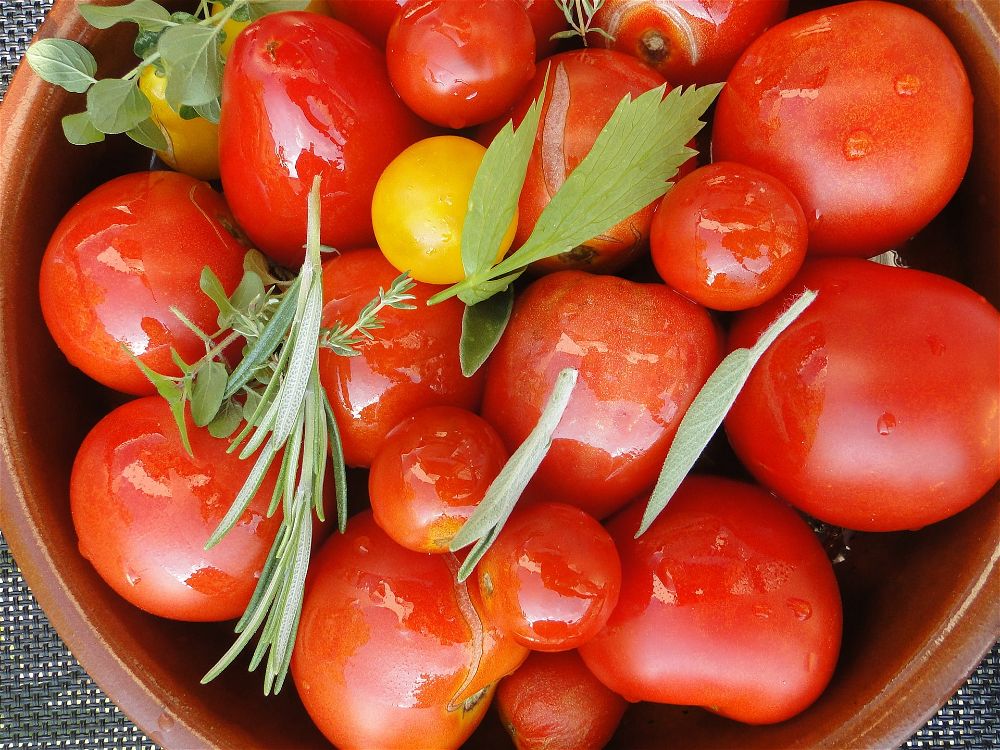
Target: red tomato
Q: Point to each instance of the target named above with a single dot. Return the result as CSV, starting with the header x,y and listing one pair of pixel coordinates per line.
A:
x,y
371,17
642,350
411,363
728,236
430,474
461,62
877,408
286,119
687,41
116,264
546,19
864,111
551,578
143,509
728,602
553,702
584,88
391,650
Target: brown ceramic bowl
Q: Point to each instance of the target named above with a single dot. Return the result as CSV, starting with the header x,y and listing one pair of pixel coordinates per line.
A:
x,y
920,608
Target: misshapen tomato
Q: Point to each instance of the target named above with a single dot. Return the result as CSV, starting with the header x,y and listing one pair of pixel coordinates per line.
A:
x,y
863,110
305,95
877,409
728,602
642,350
117,263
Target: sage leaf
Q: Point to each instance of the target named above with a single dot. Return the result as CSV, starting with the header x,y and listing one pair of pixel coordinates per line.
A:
x,y
150,16
116,105
147,133
709,408
482,326
206,392
190,54
64,63
80,130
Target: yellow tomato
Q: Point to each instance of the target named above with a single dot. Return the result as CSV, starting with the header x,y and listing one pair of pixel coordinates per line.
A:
x,y
233,28
420,204
192,145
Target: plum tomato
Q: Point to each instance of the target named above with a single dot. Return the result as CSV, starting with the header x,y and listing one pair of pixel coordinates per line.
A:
x,y
458,63
419,207
584,88
412,362
863,110
120,259
232,28
373,18
286,119
686,41
551,578
877,408
430,473
728,236
392,652
553,702
728,602
547,19
643,351
143,509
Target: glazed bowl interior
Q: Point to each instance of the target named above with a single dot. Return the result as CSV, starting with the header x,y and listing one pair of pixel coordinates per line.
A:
x,y
919,606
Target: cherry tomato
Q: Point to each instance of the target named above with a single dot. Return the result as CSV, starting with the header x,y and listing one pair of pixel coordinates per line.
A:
x,y
551,578
419,207
877,408
461,62
728,236
143,509
863,110
728,602
411,363
584,88
687,41
117,263
392,652
232,27
287,119
553,702
373,18
643,352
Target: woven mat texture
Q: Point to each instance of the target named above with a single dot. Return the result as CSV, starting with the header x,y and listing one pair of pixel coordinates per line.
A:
x,y
47,700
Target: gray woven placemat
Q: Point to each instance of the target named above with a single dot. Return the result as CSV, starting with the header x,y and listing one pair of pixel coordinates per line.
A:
x,y
48,701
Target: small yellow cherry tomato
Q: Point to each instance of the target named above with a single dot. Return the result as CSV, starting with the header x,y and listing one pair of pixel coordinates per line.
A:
x,y
232,28
420,204
192,145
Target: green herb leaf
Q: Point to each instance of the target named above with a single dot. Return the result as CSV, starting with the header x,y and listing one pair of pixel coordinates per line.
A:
x,y
709,409
482,291
227,420
206,392
173,392
145,43
211,111
337,461
149,15
79,129
260,8
116,105
190,53
147,133
212,286
497,504
482,326
64,63
249,292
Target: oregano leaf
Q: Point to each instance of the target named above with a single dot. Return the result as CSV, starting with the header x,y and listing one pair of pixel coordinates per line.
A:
x,y
190,54
227,420
79,129
207,392
260,8
147,133
150,16
64,63
116,105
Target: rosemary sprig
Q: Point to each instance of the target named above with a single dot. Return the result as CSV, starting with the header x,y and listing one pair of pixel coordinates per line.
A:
x,y
580,16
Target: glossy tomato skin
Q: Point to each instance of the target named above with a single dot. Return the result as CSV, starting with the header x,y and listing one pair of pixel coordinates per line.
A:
x,y
458,63
686,41
411,363
551,579
643,351
728,236
553,702
386,644
117,263
728,602
430,474
584,88
373,18
546,19
287,118
143,509
877,408
864,111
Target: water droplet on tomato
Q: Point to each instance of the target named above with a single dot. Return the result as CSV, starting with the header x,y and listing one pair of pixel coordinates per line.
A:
x,y
907,84
886,423
762,611
800,608
857,145
936,344
132,577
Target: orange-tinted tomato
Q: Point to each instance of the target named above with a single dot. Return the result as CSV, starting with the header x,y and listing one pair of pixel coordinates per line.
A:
x,y
143,509
728,602
430,474
411,363
553,702
117,263
728,236
642,350
687,41
551,578
391,651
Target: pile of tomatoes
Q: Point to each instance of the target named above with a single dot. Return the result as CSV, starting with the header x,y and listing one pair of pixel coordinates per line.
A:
x,y
840,134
